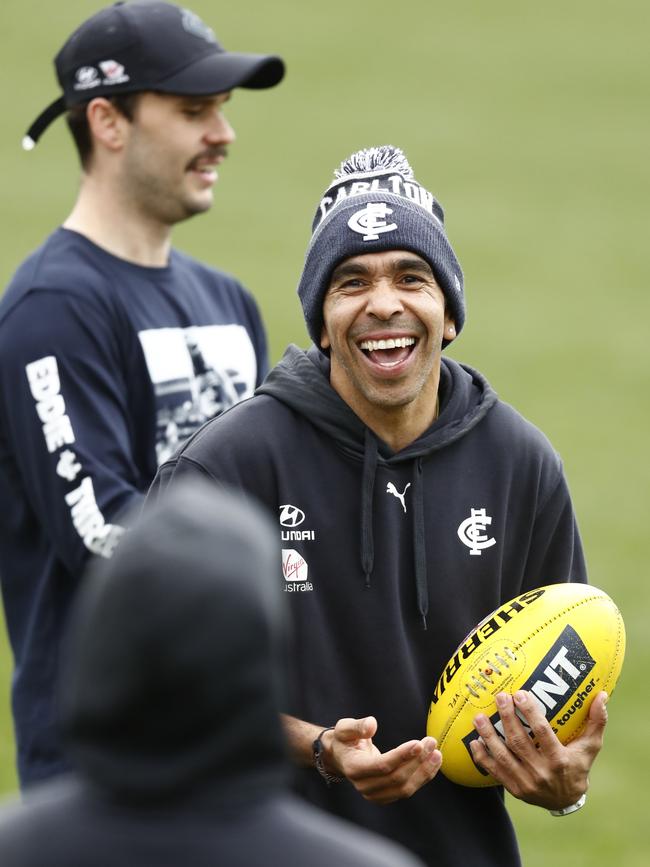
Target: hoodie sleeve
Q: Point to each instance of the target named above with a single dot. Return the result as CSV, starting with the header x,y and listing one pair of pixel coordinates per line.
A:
x,y
229,452
66,421
555,554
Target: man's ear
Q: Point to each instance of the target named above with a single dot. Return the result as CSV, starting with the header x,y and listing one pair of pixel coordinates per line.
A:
x,y
450,328
108,125
324,338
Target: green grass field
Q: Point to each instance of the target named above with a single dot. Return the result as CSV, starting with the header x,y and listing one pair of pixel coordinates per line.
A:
x,y
530,122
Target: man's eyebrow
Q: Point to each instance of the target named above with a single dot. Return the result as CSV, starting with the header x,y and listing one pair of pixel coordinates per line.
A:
x,y
206,99
357,269
349,269
412,264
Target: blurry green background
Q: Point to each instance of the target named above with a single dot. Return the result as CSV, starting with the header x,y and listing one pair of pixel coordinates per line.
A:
x,y
531,124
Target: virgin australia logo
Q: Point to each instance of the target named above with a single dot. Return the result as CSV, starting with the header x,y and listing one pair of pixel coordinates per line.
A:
x,y
371,221
296,572
114,72
471,532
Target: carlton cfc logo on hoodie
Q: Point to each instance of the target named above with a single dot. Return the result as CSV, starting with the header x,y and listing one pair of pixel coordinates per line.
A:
x,y
472,532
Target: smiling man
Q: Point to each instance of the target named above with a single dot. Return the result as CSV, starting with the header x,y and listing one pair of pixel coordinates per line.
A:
x,y
375,450
386,319
114,347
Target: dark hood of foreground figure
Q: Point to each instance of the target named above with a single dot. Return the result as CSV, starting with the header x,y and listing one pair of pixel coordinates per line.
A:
x,y
172,676
173,663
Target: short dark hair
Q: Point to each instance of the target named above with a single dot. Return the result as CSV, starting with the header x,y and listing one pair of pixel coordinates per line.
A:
x,y
77,121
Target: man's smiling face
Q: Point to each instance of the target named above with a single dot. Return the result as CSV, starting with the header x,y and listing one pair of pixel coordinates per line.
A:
x,y
384,322
173,149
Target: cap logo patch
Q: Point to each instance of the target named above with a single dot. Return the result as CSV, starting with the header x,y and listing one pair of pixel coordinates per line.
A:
x,y
371,221
193,24
113,72
86,77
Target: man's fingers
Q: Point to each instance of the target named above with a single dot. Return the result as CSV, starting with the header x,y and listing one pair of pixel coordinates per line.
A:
x,y
349,730
598,711
537,769
410,752
400,761
533,715
401,772
490,747
383,777
482,758
594,734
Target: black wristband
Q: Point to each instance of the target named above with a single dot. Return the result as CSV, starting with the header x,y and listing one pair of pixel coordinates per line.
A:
x,y
317,748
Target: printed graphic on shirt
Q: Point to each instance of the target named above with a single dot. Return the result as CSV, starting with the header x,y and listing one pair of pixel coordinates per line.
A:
x,y
471,532
391,489
296,571
197,373
87,519
290,518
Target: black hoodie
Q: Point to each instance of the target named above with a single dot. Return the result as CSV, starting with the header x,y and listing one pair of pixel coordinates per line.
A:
x,y
389,560
170,691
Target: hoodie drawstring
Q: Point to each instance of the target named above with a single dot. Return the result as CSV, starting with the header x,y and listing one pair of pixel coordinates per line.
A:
x,y
419,550
370,458
367,491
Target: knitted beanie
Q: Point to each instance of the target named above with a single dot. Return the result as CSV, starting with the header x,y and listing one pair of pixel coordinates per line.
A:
x,y
375,204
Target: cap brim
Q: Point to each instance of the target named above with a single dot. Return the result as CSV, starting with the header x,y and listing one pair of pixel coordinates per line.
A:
x,y
215,73
218,73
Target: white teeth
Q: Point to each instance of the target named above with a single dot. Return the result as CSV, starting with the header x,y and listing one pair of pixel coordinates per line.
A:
x,y
399,343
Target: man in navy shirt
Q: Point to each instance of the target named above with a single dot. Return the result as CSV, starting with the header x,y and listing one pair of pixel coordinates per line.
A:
x,y
113,346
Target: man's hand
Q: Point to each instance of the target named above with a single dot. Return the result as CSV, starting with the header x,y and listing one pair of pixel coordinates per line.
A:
x,y
379,777
548,775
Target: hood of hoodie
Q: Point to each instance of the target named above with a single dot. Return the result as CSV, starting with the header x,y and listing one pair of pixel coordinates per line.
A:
x,y
171,674
301,381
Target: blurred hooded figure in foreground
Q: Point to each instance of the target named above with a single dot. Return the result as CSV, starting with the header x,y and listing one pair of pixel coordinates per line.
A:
x,y
172,677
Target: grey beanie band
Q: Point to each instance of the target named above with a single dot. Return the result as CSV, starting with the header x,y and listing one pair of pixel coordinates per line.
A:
x,y
375,205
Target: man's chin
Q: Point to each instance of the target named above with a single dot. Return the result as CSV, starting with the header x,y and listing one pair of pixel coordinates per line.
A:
x,y
390,397
193,207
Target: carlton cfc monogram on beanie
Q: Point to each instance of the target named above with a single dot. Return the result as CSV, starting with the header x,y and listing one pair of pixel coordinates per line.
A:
x,y
375,204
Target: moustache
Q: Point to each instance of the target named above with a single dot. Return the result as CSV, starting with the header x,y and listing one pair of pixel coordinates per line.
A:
x,y
208,155
377,330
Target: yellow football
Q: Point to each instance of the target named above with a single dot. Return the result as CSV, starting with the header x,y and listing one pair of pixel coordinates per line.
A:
x,y
564,643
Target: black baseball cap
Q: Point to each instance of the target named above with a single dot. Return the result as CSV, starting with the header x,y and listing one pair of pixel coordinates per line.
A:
x,y
149,45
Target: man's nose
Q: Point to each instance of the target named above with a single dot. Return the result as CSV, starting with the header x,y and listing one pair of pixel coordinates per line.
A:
x,y
219,130
384,300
